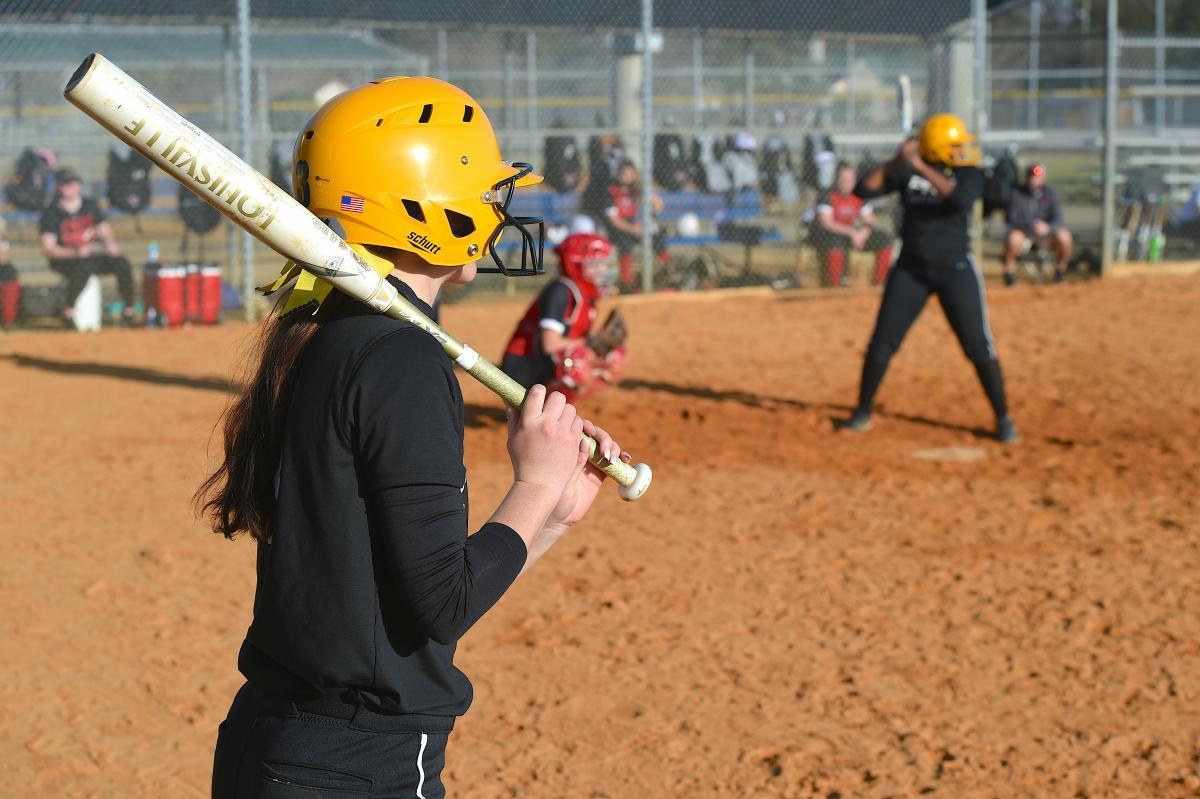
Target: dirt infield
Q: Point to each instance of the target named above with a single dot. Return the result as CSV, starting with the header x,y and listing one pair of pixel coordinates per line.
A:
x,y
790,612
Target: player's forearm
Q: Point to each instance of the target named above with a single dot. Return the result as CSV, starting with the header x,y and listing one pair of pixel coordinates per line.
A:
x,y
104,231
871,184
554,342
545,539
59,252
620,224
526,509
837,228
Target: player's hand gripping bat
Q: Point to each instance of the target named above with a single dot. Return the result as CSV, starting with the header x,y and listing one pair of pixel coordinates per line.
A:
x,y
130,112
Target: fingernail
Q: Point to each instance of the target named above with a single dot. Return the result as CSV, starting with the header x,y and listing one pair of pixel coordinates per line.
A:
x,y
625,456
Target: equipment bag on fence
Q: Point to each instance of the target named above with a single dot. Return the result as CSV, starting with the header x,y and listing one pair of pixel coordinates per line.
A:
x,y
999,180
128,179
199,216
29,187
671,163
563,163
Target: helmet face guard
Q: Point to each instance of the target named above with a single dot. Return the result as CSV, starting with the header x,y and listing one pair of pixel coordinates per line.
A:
x,y
500,196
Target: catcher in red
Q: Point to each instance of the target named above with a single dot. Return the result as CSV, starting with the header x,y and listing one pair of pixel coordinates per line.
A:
x,y
554,344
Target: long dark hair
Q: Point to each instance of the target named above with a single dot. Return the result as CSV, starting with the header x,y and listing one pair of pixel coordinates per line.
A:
x,y
239,497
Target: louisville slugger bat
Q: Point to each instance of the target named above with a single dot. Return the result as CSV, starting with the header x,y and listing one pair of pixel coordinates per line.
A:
x,y
904,105
130,112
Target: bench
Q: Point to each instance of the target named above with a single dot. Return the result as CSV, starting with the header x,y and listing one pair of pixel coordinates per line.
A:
x,y
727,214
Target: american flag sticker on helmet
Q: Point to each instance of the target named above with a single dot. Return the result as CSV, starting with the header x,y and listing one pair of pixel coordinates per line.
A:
x,y
352,204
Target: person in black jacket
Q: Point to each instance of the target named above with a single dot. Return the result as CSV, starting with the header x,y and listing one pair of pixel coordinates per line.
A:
x,y
344,462
939,182
1034,215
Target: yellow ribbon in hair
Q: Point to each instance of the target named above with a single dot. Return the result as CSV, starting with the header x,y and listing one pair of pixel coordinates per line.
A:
x,y
312,290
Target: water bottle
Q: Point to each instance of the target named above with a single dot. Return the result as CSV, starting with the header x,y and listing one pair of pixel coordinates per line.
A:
x,y
150,286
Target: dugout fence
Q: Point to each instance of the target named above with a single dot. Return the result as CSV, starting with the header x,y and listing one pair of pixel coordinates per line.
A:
x,y
733,113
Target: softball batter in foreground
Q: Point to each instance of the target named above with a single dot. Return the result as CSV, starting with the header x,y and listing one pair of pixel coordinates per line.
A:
x,y
344,461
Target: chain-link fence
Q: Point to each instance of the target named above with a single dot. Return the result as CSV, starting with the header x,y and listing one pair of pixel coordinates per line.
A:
x,y
735,117
1065,81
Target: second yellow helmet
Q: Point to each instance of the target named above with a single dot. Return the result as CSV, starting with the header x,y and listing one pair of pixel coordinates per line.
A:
x,y
944,139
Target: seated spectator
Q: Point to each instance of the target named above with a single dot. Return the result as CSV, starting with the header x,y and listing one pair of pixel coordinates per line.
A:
x,y
1186,222
605,155
741,162
1035,217
624,220
79,243
845,222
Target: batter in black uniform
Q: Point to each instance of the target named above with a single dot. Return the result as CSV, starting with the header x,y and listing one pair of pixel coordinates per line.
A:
x,y
939,184
344,462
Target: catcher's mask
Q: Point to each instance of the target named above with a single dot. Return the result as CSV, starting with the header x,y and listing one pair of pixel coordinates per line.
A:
x,y
587,258
412,163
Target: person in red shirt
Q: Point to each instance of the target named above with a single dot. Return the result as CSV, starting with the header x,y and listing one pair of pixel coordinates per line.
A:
x,y
624,219
79,243
845,222
551,343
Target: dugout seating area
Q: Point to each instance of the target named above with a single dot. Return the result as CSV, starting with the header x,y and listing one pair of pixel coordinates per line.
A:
x,y
724,220
737,220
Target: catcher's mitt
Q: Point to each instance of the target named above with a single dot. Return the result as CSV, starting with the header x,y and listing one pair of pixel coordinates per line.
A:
x,y
610,335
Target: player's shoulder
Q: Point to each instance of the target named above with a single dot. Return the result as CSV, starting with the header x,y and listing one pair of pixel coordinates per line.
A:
x,y
355,334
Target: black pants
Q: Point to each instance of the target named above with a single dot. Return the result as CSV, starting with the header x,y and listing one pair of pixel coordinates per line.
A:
x,y
824,240
625,241
529,371
76,272
959,289
267,750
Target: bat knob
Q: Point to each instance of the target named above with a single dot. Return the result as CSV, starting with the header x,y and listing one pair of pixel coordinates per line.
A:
x,y
641,481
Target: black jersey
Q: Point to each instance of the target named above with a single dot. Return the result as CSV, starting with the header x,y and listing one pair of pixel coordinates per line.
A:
x,y
935,230
72,229
369,577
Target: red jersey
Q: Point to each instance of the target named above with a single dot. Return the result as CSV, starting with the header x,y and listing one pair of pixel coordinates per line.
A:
x,y
564,306
624,201
846,208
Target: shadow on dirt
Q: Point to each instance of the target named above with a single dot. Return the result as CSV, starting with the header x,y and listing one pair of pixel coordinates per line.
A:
x,y
135,373
838,414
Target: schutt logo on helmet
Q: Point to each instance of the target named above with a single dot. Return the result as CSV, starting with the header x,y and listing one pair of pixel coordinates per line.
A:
x,y
423,243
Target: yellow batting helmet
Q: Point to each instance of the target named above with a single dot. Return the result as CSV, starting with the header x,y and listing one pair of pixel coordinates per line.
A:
x,y
944,140
412,163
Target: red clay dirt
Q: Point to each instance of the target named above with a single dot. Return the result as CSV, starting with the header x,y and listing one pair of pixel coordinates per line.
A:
x,y
790,611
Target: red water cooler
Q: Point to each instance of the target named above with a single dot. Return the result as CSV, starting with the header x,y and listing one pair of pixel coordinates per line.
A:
x,y
169,296
210,294
176,294
191,292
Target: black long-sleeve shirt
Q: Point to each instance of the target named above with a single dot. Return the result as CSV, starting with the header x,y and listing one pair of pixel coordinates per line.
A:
x,y
936,230
369,577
